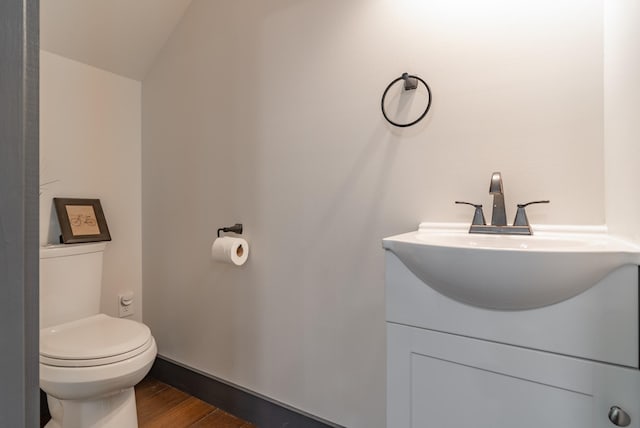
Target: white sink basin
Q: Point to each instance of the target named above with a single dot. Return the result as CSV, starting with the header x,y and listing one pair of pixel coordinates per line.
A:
x,y
510,272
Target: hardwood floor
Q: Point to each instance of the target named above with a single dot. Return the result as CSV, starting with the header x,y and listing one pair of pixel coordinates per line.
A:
x,y
160,405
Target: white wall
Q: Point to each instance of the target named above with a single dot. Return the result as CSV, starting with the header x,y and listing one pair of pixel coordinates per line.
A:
x,y
622,116
267,113
90,144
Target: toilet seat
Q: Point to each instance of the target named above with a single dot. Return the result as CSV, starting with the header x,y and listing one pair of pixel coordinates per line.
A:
x,y
93,341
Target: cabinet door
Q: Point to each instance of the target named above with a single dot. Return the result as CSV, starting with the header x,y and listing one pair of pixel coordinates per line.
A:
x,y
446,394
438,380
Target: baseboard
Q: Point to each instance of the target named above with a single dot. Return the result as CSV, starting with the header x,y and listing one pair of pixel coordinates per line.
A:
x,y
240,402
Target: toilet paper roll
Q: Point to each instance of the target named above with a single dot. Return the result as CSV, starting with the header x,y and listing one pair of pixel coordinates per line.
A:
x,y
230,250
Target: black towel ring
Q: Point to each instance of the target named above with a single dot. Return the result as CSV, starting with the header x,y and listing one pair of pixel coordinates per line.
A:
x,y
410,83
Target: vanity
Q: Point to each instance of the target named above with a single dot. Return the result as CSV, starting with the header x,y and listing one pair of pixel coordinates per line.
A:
x,y
497,331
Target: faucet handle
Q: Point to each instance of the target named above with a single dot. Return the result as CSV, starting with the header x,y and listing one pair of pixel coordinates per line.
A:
x,y
521,215
478,215
532,202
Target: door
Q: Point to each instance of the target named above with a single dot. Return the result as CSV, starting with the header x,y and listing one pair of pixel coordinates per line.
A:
x,y
19,378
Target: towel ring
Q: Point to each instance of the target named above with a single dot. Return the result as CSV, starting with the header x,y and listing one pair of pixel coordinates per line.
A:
x,y
410,83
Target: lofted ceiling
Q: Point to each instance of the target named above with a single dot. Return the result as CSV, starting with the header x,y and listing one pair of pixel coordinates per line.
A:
x,y
121,36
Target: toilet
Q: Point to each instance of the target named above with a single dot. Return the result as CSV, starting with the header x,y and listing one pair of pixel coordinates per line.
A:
x,y
89,362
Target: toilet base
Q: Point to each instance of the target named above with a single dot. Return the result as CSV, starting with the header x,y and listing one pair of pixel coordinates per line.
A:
x,y
112,411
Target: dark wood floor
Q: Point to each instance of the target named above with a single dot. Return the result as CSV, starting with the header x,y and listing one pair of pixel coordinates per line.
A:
x,y
160,405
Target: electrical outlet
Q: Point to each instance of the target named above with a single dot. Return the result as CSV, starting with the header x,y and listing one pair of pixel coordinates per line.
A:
x,y
125,304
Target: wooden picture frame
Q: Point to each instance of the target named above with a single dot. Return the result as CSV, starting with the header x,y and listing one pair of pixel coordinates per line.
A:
x,y
81,220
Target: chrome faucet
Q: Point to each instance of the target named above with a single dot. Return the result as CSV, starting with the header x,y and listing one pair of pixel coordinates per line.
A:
x,y
499,224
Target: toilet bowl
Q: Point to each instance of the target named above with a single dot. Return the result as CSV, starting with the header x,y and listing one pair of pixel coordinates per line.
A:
x,y
89,362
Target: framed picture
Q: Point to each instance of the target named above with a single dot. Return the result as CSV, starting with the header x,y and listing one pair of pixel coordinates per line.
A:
x,y
81,220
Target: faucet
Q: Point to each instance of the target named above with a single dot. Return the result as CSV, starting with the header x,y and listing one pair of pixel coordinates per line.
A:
x,y
499,224
499,215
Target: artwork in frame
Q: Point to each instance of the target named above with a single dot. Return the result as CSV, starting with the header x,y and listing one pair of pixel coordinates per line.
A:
x,y
81,220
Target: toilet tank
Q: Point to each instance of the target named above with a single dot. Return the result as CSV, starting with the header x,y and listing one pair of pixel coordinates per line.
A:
x,y
70,282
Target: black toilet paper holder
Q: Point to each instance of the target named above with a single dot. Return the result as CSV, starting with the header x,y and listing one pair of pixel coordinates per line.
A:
x,y
236,228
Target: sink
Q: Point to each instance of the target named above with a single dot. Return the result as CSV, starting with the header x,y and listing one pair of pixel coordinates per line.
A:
x,y
511,272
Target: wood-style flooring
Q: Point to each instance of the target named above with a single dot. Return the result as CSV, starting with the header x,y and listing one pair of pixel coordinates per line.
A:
x,y
160,405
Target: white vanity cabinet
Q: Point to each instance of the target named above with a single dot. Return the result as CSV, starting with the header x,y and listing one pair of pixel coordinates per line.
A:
x,y
565,365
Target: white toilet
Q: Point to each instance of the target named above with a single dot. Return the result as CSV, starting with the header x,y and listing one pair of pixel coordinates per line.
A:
x,y
89,362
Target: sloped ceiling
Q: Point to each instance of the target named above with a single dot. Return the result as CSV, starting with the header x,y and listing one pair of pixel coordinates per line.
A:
x,y
121,36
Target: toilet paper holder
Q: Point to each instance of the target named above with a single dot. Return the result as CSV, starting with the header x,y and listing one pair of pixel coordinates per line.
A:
x,y
236,228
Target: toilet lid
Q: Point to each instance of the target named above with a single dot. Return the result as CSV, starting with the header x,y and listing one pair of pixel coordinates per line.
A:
x,y
98,337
